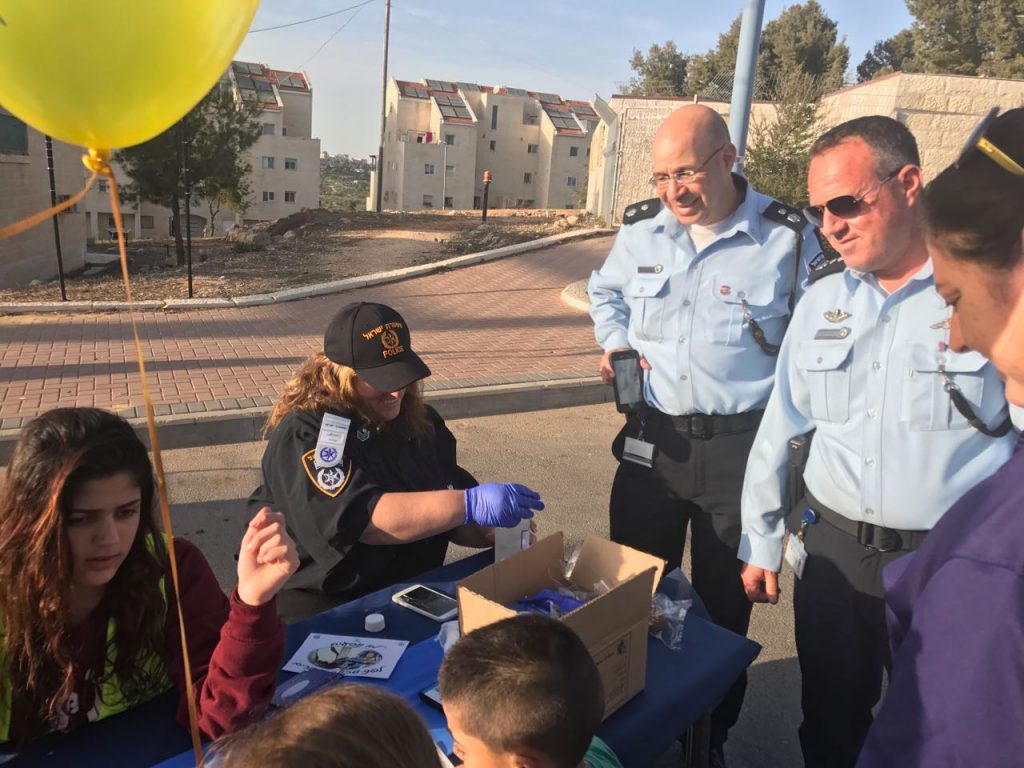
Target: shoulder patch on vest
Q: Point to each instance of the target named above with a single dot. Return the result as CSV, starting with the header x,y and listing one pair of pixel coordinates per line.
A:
x,y
645,209
328,480
783,214
830,266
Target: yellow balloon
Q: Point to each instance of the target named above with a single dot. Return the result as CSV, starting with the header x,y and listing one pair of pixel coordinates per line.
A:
x,y
113,73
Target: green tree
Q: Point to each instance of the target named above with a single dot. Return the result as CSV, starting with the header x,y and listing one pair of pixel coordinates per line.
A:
x,y
969,37
802,39
890,55
219,131
1001,32
777,156
661,73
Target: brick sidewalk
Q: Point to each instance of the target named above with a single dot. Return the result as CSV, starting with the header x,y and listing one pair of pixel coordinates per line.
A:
x,y
496,323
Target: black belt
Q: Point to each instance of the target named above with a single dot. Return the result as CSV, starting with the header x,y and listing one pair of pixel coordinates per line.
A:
x,y
876,537
702,426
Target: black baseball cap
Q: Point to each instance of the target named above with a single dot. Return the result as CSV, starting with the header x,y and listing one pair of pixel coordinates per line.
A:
x,y
373,339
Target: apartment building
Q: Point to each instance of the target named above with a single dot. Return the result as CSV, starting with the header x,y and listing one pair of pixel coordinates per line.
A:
x,y
440,137
285,162
24,190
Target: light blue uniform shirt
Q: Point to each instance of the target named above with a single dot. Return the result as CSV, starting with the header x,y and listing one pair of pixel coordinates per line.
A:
x,y
684,310
890,447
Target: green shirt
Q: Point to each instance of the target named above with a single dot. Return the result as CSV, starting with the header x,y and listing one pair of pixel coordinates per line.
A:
x,y
600,755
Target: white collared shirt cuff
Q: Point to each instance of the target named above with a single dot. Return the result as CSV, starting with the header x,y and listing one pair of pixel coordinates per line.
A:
x,y
761,552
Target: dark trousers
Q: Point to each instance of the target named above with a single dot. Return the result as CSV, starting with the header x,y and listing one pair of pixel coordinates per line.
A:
x,y
842,643
695,483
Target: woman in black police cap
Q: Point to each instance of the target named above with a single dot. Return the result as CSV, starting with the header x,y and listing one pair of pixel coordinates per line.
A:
x,y
366,473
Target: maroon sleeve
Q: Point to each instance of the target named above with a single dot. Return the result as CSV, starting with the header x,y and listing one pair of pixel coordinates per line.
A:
x,y
235,649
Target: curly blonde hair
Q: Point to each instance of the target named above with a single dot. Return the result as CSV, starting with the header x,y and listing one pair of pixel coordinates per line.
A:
x,y
320,384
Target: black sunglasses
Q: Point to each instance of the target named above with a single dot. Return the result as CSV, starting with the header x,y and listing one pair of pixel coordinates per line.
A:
x,y
845,206
978,141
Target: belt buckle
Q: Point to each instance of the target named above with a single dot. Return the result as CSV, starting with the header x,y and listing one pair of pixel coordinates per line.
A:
x,y
868,536
701,426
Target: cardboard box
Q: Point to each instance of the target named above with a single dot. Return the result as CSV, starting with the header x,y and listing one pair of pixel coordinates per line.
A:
x,y
613,626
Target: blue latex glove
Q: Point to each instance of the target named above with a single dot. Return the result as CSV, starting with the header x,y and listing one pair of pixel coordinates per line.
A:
x,y
500,505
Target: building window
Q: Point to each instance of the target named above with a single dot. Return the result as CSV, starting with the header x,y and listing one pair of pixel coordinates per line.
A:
x,y
291,164
146,222
268,197
448,203
571,181
64,199
268,129
104,185
527,178
428,169
494,145
284,130
531,149
449,139
476,202
289,197
449,170
428,201
13,135
267,163
494,117
574,151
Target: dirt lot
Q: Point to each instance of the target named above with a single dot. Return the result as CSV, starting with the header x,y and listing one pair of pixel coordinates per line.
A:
x,y
308,247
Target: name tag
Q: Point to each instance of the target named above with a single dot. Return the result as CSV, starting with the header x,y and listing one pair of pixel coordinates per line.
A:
x,y
796,555
651,270
638,452
330,443
832,333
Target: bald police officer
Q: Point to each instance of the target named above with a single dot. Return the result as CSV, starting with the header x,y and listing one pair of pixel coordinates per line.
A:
x,y
903,426
701,282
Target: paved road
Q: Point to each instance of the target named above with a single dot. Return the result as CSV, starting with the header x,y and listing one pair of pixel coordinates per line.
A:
x,y
496,323
563,453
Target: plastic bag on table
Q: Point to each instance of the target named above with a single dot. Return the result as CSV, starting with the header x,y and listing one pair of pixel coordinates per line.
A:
x,y
448,635
667,617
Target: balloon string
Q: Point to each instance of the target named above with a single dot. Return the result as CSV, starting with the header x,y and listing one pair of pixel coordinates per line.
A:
x,y
36,218
100,165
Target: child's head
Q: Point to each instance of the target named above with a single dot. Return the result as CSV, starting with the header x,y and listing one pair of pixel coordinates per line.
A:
x,y
344,726
74,519
521,692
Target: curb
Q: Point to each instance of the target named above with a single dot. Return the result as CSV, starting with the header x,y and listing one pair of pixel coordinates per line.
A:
x,y
245,424
307,291
575,295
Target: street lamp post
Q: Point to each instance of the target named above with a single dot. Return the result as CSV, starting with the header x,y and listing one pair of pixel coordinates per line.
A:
x,y
444,172
487,185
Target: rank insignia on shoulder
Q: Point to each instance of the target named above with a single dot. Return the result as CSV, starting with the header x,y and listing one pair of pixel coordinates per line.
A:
x,y
328,480
645,209
785,215
828,267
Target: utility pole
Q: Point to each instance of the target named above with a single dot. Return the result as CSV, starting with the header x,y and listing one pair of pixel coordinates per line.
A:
x,y
487,187
56,226
383,106
444,172
743,79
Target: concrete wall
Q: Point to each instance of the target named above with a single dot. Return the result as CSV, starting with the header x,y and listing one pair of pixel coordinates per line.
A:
x,y
24,190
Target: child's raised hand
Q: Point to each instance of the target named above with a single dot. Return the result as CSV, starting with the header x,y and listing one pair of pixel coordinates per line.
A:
x,y
267,558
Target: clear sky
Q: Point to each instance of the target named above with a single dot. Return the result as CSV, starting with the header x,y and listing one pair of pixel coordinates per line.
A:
x,y
576,49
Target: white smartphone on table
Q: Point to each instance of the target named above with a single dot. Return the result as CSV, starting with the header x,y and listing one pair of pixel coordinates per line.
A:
x,y
427,602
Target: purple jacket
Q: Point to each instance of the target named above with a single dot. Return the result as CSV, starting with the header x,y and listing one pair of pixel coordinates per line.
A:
x,y
955,612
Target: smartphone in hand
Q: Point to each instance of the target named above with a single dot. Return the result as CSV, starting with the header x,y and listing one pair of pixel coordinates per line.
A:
x,y
628,381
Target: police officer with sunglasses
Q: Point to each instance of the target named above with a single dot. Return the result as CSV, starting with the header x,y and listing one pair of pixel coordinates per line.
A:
x,y
701,281
903,426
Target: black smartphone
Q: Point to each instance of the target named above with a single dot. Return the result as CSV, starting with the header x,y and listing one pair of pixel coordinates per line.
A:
x,y
628,381
432,696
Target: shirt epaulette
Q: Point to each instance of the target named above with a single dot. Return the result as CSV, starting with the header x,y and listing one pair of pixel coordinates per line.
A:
x,y
831,266
645,209
785,215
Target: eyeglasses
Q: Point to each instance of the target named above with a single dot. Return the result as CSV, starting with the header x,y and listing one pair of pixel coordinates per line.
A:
x,y
845,206
978,141
683,176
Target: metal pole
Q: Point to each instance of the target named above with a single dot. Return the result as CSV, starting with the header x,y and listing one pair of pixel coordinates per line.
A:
x,y
743,80
487,185
444,173
188,201
383,105
56,226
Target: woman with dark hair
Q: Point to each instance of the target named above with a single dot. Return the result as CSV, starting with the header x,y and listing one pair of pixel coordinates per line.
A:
x,y
955,607
89,624
344,726
365,473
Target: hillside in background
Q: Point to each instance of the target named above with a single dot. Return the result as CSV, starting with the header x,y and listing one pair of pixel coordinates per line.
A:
x,y
344,183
